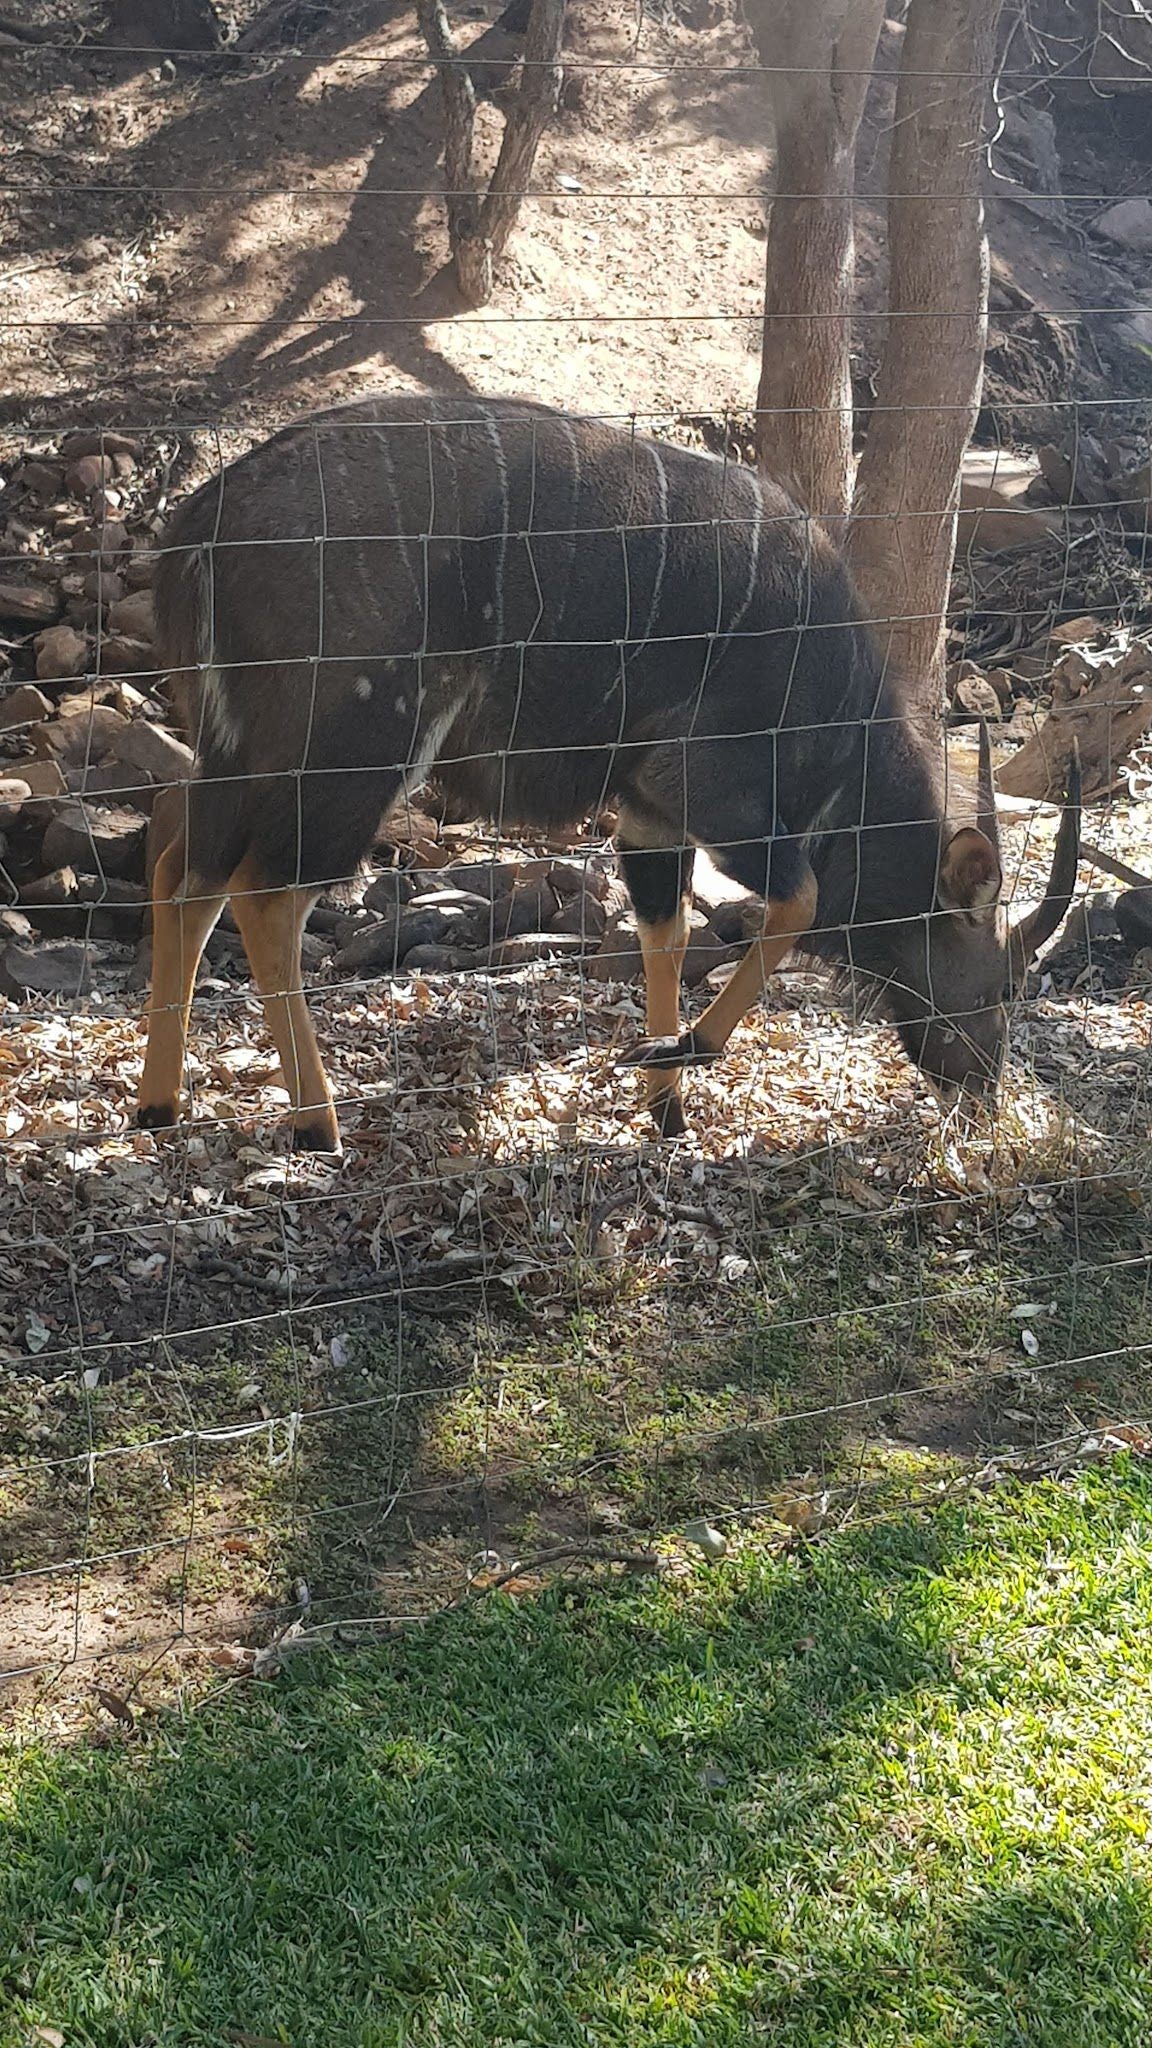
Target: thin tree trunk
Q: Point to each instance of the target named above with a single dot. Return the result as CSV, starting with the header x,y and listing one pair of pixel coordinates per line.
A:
x,y
525,122
821,53
928,391
473,273
479,229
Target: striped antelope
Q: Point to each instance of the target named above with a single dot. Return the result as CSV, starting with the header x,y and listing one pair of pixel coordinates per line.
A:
x,y
554,614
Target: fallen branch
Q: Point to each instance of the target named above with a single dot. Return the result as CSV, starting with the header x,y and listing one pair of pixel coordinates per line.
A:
x,y
368,1286
1095,856
1108,719
581,1553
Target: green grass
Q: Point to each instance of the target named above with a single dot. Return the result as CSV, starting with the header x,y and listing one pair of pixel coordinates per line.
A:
x,y
889,1792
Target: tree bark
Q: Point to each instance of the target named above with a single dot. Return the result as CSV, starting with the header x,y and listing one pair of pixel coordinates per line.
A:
x,y
928,391
473,273
524,124
821,53
479,229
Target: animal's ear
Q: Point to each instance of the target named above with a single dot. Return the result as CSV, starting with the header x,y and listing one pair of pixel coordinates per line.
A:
x,y
970,877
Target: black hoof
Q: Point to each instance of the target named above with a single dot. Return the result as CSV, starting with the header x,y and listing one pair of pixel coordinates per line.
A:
x,y
316,1138
157,1116
668,1115
665,1054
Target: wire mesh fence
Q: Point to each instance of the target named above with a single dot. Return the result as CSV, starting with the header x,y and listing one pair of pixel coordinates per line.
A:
x,y
438,661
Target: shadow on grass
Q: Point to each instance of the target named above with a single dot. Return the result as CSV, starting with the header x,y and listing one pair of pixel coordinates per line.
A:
x,y
815,1801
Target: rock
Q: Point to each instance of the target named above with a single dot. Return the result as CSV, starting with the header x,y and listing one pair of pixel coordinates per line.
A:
x,y
133,616
973,693
67,904
43,479
139,570
14,794
61,653
579,878
705,951
735,922
1002,683
618,957
88,835
23,706
315,950
530,907
994,512
439,959
583,914
103,587
54,967
1128,224
121,656
373,949
14,925
82,732
1133,911
44,778
95,440
451,903
89,473
33,604
486,878
529,946
1086,923
389,892
106,540
155,750
130,786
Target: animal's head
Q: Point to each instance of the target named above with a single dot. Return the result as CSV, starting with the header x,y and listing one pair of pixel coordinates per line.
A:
x,y
954,972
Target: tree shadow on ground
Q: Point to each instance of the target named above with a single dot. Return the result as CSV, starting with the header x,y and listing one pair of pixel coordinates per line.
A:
x,y
614,1815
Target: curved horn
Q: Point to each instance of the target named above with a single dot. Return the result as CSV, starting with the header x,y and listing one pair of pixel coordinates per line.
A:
x,y
986,790
1029,935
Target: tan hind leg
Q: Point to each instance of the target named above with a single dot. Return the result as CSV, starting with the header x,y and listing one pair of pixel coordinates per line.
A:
x,y
183,916
271,923
784,923
663,947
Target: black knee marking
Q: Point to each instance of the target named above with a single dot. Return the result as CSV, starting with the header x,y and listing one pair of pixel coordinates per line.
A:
x,y
657,879
666,1054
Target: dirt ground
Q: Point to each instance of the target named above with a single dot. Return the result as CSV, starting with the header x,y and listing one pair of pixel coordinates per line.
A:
x,y
469,1323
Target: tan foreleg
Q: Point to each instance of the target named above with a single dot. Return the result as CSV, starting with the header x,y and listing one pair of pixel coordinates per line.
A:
x,y
271,923
663,947
784,923
183,917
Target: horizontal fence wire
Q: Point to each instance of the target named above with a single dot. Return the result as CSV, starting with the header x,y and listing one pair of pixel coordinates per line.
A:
x,y
462,685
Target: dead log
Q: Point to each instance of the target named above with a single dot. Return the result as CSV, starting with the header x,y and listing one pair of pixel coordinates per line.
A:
x,y
1109,718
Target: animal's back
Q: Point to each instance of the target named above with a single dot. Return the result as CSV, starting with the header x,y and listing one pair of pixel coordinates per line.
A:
x,y
533,600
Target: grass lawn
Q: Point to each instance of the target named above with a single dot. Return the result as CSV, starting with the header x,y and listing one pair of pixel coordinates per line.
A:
x,y
887,1791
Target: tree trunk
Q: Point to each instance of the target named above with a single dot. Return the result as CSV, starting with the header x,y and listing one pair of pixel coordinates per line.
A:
x,y
479,230
524,124
821,52
473,272
928,391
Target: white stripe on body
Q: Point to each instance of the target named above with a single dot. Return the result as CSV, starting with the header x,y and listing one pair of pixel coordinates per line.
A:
x,y
502,551
561,606
662,562
753,552
394,495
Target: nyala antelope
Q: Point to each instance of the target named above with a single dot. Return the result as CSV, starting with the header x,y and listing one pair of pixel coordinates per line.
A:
x,y
554,615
